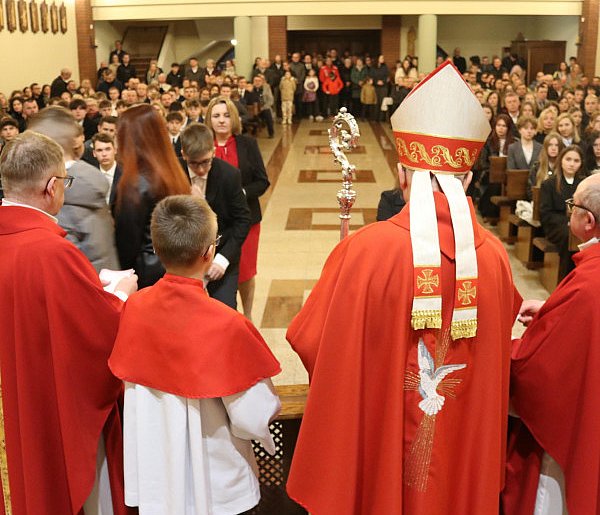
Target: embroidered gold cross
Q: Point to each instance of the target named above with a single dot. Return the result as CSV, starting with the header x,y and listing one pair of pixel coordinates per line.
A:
x,y
427,280
466,292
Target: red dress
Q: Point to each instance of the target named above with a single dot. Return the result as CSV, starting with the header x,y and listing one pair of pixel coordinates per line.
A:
x,y
249,255
363,419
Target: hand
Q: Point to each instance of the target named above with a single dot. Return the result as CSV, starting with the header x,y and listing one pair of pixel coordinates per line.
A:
x,y
215,272
128,285
528,309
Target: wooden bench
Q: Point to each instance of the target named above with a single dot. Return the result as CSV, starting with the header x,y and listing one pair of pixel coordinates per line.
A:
x,y
526,231
551,263
513,189
274,470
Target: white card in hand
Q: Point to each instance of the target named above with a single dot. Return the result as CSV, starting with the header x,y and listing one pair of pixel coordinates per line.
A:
x,y
112,277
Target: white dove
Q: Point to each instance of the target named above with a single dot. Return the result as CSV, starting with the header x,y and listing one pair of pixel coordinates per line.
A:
x,y
430,378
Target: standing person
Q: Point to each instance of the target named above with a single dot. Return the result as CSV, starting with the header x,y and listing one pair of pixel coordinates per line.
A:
x,y
221,185
357,77
380,74
59,415
368,100
346,76
190,416
243,153
331,85
437,331
150,173
309,95
287,88
553,446
85,215
299,71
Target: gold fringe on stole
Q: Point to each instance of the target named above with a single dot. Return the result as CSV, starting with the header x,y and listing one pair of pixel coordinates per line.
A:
x,y
4,460
418,459
426,319
463,329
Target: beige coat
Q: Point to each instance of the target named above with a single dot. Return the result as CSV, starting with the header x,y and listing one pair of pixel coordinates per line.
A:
x,y
287,88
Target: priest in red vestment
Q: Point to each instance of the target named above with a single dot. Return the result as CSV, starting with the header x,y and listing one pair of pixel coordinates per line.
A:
x,y
554,450
406,337
58,402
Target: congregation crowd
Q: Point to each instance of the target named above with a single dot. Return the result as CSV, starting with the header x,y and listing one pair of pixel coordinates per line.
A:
x,y
126,151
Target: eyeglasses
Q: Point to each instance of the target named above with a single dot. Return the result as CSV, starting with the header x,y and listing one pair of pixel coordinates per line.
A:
x,y
215,243
205,163
570,202
67,178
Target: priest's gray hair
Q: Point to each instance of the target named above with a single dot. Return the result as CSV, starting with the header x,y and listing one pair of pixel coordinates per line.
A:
x,y
28,162
590,197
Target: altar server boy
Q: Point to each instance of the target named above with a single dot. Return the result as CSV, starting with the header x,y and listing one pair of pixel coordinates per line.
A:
x,y
196,373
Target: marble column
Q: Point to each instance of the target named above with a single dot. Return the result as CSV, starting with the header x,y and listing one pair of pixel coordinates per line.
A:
x,y
427,42
243,48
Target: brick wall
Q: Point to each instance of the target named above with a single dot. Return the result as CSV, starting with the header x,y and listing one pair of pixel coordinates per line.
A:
x,y
85,40
390,39
277,36
588,37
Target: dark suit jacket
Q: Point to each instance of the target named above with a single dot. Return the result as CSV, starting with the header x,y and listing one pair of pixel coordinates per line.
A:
x,y
254,176
516,157
225,197
390,204
177,146
58,87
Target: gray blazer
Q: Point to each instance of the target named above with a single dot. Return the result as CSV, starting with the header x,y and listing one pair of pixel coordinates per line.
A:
x,y
516,159
86,217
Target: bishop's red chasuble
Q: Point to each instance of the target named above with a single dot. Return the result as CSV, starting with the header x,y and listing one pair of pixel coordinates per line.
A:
x,y
58,395
174,338
377,437
555,389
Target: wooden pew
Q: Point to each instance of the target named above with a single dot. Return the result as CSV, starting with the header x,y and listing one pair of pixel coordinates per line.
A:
x,y
527,230
513,189
274,470
549,269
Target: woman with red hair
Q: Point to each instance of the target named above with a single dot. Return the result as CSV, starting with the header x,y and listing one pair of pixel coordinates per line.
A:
x,y
150,172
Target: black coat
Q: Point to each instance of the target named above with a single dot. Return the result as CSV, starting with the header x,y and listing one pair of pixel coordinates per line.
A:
x,y
254,176
58,87
390,204
132,233
225,197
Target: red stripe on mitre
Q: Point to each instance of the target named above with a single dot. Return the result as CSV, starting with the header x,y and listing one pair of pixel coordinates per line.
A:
x,y
436,153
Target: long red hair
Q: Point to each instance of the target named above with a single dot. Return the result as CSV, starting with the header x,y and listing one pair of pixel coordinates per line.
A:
x,y
145,150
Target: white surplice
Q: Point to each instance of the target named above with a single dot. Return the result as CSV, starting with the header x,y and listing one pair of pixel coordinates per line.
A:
x,y
550,498
194,456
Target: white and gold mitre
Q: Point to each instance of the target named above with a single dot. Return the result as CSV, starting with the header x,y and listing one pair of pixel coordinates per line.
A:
x,y
440,128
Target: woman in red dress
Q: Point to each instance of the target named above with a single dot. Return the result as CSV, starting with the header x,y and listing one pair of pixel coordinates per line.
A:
x,y
242,152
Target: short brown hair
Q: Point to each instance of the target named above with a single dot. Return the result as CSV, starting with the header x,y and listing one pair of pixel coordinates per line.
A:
x,y
234,115
197,140
27,160
523,121
183,227
57,123
102,137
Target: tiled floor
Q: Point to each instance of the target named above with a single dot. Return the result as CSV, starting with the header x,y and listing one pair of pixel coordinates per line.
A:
x,y
300,224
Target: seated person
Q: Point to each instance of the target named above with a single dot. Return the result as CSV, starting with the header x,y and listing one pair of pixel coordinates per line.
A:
x,y
524,152
569,171
197,380
544,166
174,124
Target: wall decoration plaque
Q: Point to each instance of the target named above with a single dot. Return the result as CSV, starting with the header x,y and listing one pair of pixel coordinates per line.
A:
x,y
62,11
11,15
54,18
23,18
34,16
44,16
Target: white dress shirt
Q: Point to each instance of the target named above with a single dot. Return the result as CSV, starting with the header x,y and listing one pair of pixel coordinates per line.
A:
x,y
110,177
